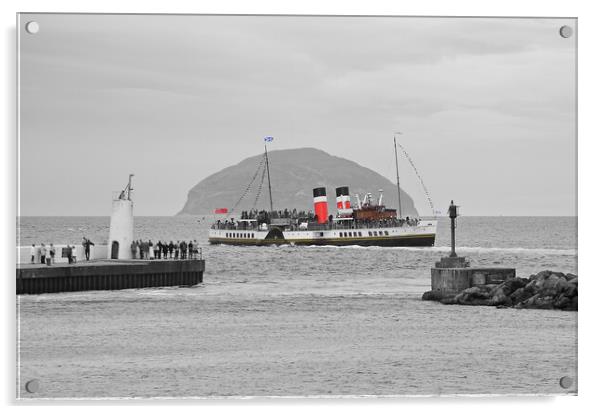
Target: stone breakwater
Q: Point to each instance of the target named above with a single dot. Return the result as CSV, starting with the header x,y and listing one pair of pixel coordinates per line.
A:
x,y
545,290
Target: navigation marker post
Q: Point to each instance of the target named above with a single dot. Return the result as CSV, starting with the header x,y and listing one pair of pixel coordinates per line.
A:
x,y
453,214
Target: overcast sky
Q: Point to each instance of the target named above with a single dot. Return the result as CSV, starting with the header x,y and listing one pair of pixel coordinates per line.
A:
x,y
486,106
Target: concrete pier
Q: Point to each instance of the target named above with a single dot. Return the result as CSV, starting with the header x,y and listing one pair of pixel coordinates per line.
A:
x,y
446,282
108,275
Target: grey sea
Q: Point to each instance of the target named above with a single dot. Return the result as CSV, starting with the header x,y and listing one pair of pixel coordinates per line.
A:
x,y
300,321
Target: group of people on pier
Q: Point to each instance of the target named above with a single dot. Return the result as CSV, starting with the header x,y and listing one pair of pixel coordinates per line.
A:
x,y
165,250
45,253
48,253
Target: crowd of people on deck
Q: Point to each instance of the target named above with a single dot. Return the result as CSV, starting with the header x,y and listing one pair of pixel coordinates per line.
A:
x,y
297,218
255,214
390,222
165,250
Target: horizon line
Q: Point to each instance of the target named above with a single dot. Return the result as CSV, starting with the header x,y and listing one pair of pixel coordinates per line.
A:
x,y
209,214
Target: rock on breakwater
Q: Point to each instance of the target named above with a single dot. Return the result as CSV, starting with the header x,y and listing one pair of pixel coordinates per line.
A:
x,y
544,290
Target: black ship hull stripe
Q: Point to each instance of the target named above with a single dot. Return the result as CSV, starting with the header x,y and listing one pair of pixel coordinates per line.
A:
x,y
409,241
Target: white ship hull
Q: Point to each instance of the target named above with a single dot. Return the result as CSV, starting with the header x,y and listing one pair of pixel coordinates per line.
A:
x,y
422,234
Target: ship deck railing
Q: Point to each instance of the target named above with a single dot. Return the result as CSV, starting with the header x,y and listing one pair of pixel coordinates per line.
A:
x,y
320,227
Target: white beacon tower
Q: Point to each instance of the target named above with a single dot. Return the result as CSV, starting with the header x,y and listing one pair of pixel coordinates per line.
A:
x,y
121,230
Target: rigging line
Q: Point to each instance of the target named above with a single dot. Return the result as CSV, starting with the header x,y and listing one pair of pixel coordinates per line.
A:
x,y
259,187
244,194
391,168
426,192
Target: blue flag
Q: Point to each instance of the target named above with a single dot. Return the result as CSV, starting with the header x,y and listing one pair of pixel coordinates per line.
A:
x,y
268,139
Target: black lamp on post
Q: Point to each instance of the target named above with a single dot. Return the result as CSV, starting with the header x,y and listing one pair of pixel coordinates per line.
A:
x,y
453,212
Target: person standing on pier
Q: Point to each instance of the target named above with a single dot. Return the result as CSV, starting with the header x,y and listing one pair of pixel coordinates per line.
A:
x,y
158,249
165,250
33,253
133,249
197,250
182,252
74,254
151,250
170,247
52,253
176,249
43,254
87,243
190,250
69,254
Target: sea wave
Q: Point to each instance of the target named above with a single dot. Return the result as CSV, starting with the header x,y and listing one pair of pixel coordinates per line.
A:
x,y
468,249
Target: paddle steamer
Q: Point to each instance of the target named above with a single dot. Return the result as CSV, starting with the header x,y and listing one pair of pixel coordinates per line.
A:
x,y
367,223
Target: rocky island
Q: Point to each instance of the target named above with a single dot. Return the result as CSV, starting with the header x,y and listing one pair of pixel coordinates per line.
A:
x,y
294,173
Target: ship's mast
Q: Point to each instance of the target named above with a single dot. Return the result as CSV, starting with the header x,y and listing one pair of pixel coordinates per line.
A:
x,y
267,164
397,171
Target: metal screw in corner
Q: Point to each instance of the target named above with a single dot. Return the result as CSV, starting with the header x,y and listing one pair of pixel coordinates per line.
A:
x,y
32,386
566,382
566,31
32,27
